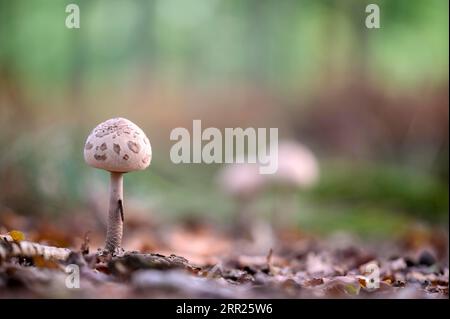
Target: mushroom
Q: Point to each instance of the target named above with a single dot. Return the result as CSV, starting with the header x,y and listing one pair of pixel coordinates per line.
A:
x,y
241,180
243,183
118,146
298,168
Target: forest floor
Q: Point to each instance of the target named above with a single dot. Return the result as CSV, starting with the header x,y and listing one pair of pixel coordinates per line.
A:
x,y
197,260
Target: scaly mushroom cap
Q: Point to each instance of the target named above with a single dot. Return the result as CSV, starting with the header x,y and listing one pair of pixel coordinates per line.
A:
x,y
118,145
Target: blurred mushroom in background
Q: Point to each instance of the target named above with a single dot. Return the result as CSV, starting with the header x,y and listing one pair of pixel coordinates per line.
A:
x,y
244,184
298,169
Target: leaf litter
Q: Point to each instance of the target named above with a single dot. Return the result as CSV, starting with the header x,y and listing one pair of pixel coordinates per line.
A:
x,y
223,266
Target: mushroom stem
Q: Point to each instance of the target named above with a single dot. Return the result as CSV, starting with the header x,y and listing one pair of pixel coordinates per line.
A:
x,y
115,220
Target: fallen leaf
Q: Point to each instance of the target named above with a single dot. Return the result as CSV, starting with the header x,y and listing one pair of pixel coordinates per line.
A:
x,y
17,235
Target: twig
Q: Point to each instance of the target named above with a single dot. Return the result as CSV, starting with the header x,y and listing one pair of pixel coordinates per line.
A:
x,y
11,248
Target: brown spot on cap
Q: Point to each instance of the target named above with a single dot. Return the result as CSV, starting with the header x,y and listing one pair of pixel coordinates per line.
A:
x,y
100,157
88,146
103,147
116,148
134,147
102,133
146,159
126,157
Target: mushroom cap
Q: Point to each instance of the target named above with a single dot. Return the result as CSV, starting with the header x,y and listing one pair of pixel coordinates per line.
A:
x,y
118,145
241,180
297,165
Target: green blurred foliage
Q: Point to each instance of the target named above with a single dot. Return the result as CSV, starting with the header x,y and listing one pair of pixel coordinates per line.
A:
x,y
281,43
388,186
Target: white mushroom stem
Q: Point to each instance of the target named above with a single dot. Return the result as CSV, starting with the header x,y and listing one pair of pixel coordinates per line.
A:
x,y
11,248
115,220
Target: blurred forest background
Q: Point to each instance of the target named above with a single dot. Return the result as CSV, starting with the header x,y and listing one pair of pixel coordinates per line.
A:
x,y
371,103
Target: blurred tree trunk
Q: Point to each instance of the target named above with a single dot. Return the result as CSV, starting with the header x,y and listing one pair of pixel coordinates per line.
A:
x,y
12,97
78,65
144,38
